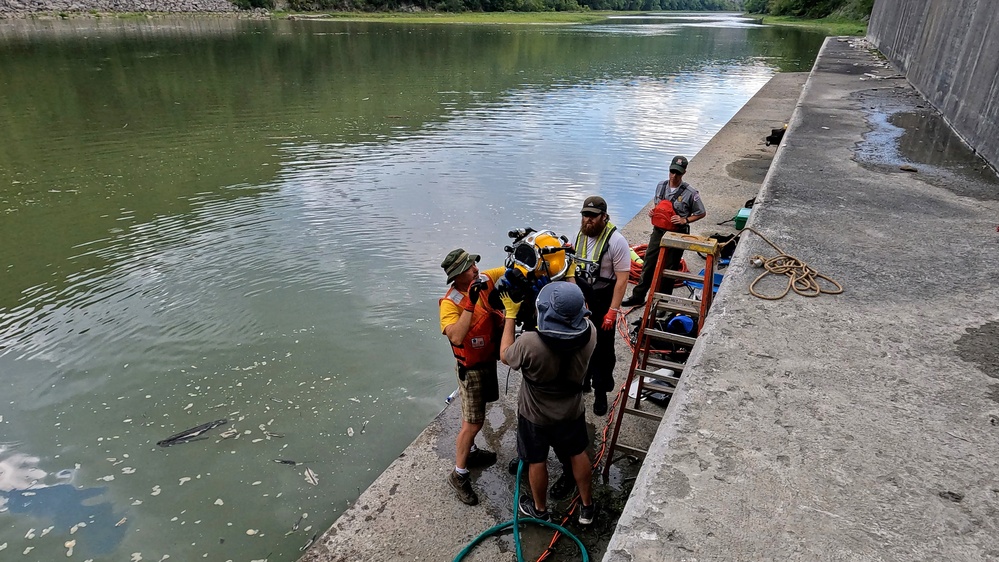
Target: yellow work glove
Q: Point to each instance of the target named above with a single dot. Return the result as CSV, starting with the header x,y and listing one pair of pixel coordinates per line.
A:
x,y
509,305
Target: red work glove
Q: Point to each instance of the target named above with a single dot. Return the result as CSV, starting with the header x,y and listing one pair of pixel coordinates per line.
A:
x,y
610,319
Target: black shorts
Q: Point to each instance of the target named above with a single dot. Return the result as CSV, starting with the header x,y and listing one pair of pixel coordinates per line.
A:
x,y
568,439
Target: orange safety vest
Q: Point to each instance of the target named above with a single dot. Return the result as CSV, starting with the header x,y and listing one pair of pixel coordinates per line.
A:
x,y
481,344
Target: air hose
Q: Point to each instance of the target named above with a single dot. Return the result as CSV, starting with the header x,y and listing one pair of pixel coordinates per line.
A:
x,y
515,523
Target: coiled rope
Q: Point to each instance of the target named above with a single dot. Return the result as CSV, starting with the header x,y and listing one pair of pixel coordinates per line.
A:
x,y
800,277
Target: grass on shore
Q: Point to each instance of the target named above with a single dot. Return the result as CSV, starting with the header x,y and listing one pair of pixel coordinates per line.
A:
x,y
829,26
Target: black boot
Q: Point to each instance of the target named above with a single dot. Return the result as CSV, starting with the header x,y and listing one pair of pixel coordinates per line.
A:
x,y
634,300
599,403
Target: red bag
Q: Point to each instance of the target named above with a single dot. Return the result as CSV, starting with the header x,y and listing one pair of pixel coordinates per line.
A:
x,y
662,214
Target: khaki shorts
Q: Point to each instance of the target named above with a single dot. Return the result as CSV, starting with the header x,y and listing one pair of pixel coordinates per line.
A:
x,y
479,387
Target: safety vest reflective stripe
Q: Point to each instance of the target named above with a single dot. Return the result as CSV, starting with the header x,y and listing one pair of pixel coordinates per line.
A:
x,y
603,241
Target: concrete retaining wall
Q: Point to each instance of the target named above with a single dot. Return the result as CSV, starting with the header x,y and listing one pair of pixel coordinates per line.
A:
x,y
22,7
947,50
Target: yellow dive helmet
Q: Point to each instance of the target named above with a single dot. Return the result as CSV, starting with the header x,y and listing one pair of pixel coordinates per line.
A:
x,y
541,253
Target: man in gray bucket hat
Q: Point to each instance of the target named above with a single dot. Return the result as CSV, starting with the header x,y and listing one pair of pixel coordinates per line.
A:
x,y
550,412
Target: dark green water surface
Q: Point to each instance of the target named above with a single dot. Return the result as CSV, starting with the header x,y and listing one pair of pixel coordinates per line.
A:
x,y
213,218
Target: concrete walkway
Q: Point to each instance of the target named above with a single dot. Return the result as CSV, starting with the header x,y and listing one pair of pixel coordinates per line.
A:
x,y
851,427
861,426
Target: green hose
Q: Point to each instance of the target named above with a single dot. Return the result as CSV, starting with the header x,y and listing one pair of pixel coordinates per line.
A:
x,y
515,523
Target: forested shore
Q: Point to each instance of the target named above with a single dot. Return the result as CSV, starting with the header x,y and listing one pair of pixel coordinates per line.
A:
x,y
812,9
835,17
509,5
65,8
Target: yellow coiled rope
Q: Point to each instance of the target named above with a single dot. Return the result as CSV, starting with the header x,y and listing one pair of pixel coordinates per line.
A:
x,y
802,279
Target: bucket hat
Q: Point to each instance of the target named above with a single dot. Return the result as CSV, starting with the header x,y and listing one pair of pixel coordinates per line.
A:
x,y
562,311
457,262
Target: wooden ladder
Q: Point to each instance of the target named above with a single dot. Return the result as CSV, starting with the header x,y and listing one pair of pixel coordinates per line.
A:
x,y
643,362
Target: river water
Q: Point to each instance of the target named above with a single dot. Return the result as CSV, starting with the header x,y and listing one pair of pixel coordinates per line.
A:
x,y
209,218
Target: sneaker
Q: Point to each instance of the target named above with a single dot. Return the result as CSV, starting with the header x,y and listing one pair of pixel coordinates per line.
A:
x,y
527,508
563,487
587,513
514,465
480,458
633,300
462,484
599,403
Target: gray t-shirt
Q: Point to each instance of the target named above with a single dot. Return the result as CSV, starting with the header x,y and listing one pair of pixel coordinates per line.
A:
x,y
617,258
545,397
687,203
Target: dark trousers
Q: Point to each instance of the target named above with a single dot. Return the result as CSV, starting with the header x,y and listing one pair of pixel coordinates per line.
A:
x,y
673,256
600,372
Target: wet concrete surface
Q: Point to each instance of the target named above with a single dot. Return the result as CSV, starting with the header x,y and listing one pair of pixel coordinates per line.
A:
x,y
909,136
860,426
752,168
980,345
410,512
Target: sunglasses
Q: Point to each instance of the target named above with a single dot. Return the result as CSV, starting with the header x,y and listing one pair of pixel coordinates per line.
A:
x,y
591,215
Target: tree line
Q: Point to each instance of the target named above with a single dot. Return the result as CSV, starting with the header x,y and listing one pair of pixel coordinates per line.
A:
x,y
846,9
502,5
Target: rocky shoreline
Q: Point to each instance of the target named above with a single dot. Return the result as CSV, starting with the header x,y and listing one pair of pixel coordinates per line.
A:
x,y
31,8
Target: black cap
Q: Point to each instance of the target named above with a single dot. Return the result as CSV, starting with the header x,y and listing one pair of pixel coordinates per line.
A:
x,y
594,204
678,165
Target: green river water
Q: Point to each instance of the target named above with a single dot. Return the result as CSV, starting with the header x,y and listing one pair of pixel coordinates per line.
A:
x,y
210,218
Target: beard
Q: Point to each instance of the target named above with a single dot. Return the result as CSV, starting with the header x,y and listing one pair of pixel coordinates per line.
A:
x,y
593,229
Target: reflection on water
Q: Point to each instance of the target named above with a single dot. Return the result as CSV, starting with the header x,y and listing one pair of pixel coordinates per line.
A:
x,y
669,22
52,501
244,220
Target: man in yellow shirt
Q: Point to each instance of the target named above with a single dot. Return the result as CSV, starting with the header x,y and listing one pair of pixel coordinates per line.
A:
x,y
473,328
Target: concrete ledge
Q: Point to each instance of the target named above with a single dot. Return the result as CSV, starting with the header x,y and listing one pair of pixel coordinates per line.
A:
x,y
862,426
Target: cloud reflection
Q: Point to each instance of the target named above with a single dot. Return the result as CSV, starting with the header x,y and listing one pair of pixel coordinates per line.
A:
x,y
27,490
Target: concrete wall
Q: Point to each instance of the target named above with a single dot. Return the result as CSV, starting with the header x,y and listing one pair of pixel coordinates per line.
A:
x,y
9,8
949,50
